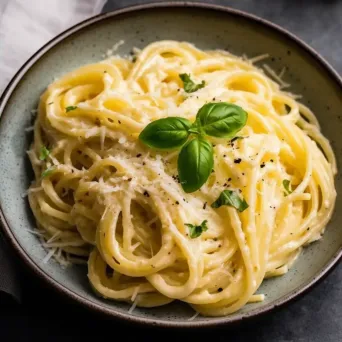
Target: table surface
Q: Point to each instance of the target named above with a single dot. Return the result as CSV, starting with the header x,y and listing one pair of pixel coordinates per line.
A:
x,y
315,317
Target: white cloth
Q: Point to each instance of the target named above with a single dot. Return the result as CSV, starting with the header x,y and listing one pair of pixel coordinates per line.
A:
x,y
26,25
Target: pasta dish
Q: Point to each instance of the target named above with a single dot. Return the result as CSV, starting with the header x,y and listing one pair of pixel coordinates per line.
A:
x,y
178,174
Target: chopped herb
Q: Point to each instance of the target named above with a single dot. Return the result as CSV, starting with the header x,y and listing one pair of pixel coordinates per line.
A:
x,y
44,153
237,161
230,198
287,187
196,231
48,171
69,108
189,85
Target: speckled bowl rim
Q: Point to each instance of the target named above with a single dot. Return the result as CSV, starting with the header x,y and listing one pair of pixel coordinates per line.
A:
x,y
212,322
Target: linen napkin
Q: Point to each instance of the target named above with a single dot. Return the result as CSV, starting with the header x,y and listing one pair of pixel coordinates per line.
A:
x,y
25,26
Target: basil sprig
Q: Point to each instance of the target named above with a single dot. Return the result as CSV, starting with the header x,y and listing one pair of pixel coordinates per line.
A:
x,y
196,231
189,85
232,199
196,159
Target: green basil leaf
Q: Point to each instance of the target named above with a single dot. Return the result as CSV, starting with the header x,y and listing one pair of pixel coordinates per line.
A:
x,y
44,153
287,187
69,108
166,133
189,85
221,119
230,198
196,231
195,163
48,171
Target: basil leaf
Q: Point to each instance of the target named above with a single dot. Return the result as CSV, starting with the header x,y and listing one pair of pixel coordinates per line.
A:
x,y
189,85
195,163
44,153
69,108
230,198
221,120
287,187
166,133
48,171
196,231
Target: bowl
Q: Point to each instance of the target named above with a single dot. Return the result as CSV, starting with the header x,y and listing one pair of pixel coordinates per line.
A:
x,y
208,27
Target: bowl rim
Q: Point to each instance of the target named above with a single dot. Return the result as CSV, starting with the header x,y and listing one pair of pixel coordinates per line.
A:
x,y
88,303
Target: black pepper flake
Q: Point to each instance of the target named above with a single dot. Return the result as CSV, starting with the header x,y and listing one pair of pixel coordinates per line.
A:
x,y
138,155
119,122
308,228
262,165
219,246
146,194
220,289
212,171
87,193
224,155
234,270
214,98
144,163
240,191
129,179
237,161
97,122
204,205
72,171
271,160
177,202
225,184
243,173
229,179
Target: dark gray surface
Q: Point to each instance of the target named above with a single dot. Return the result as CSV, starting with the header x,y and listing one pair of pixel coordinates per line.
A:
x,y
316,317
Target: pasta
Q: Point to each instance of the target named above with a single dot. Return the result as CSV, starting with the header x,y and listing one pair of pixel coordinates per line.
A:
x,y
101,196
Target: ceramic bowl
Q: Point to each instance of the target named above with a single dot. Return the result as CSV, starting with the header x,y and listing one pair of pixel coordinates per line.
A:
x,y
209,27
